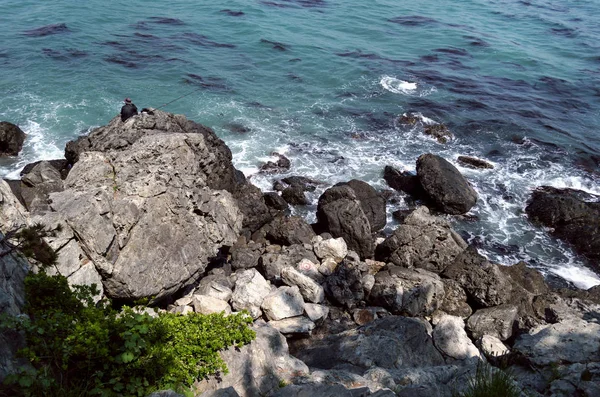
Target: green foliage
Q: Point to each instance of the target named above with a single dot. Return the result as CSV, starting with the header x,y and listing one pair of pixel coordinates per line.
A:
x,y
77,348
490,382
29,241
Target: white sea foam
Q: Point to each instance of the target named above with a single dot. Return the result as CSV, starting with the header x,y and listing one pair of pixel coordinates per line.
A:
x,y
398,86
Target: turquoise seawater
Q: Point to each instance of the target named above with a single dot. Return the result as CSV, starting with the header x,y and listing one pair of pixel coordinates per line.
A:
x,y
323,82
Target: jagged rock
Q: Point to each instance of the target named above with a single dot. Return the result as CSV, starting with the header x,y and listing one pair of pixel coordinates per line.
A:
x,y
474,162
310,289
455,300
271,263
423,241
219,287
205,304
275,201
372,203
283,164
11,139
445,185
259,367
574,341
250,290
391,343
483,281
316,313
37,184
334,248
498,321
245,256
252,204
289,230
166,393
411,292
528,278
438,131
404,181
328,266
570,214
450,338
283,303
13,213
344,286
294,195
293,326
340,213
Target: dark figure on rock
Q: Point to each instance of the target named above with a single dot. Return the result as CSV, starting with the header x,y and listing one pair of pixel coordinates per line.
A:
x,y
128,110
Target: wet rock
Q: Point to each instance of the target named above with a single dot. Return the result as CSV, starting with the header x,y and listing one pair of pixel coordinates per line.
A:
x,y
404,181
283,164
571,214
438,131
411,292
306,184
340,213
294,195
474,162
445,185
11,139
275,201
422,241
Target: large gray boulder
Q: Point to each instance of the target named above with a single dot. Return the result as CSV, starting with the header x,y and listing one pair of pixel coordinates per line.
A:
x,y
340,213
11,139
410,292
422,241
570,214
151,210
445,185
450,338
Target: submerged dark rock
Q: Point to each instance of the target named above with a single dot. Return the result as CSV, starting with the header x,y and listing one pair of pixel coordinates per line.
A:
x,y
48,30
474,162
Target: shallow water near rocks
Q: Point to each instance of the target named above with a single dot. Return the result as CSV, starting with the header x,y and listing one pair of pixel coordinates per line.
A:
x,y
324,83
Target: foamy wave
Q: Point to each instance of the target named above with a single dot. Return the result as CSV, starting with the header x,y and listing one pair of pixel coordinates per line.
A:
x,y
398,86
580,277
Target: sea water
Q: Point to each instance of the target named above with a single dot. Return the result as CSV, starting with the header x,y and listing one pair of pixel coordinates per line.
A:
x,y
323,82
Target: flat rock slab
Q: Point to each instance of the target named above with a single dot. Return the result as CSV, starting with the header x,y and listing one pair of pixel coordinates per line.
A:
x,y
575,341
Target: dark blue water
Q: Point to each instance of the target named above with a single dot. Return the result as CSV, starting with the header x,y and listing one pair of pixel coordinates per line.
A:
x,y
324,81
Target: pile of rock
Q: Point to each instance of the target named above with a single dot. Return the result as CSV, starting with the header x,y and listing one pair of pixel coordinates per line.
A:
x,y
153,208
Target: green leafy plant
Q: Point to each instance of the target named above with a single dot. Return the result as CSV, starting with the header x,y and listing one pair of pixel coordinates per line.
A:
x,y
490,382
76,348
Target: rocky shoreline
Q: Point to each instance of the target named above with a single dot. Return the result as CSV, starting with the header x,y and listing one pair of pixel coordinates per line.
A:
x,y
154,209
